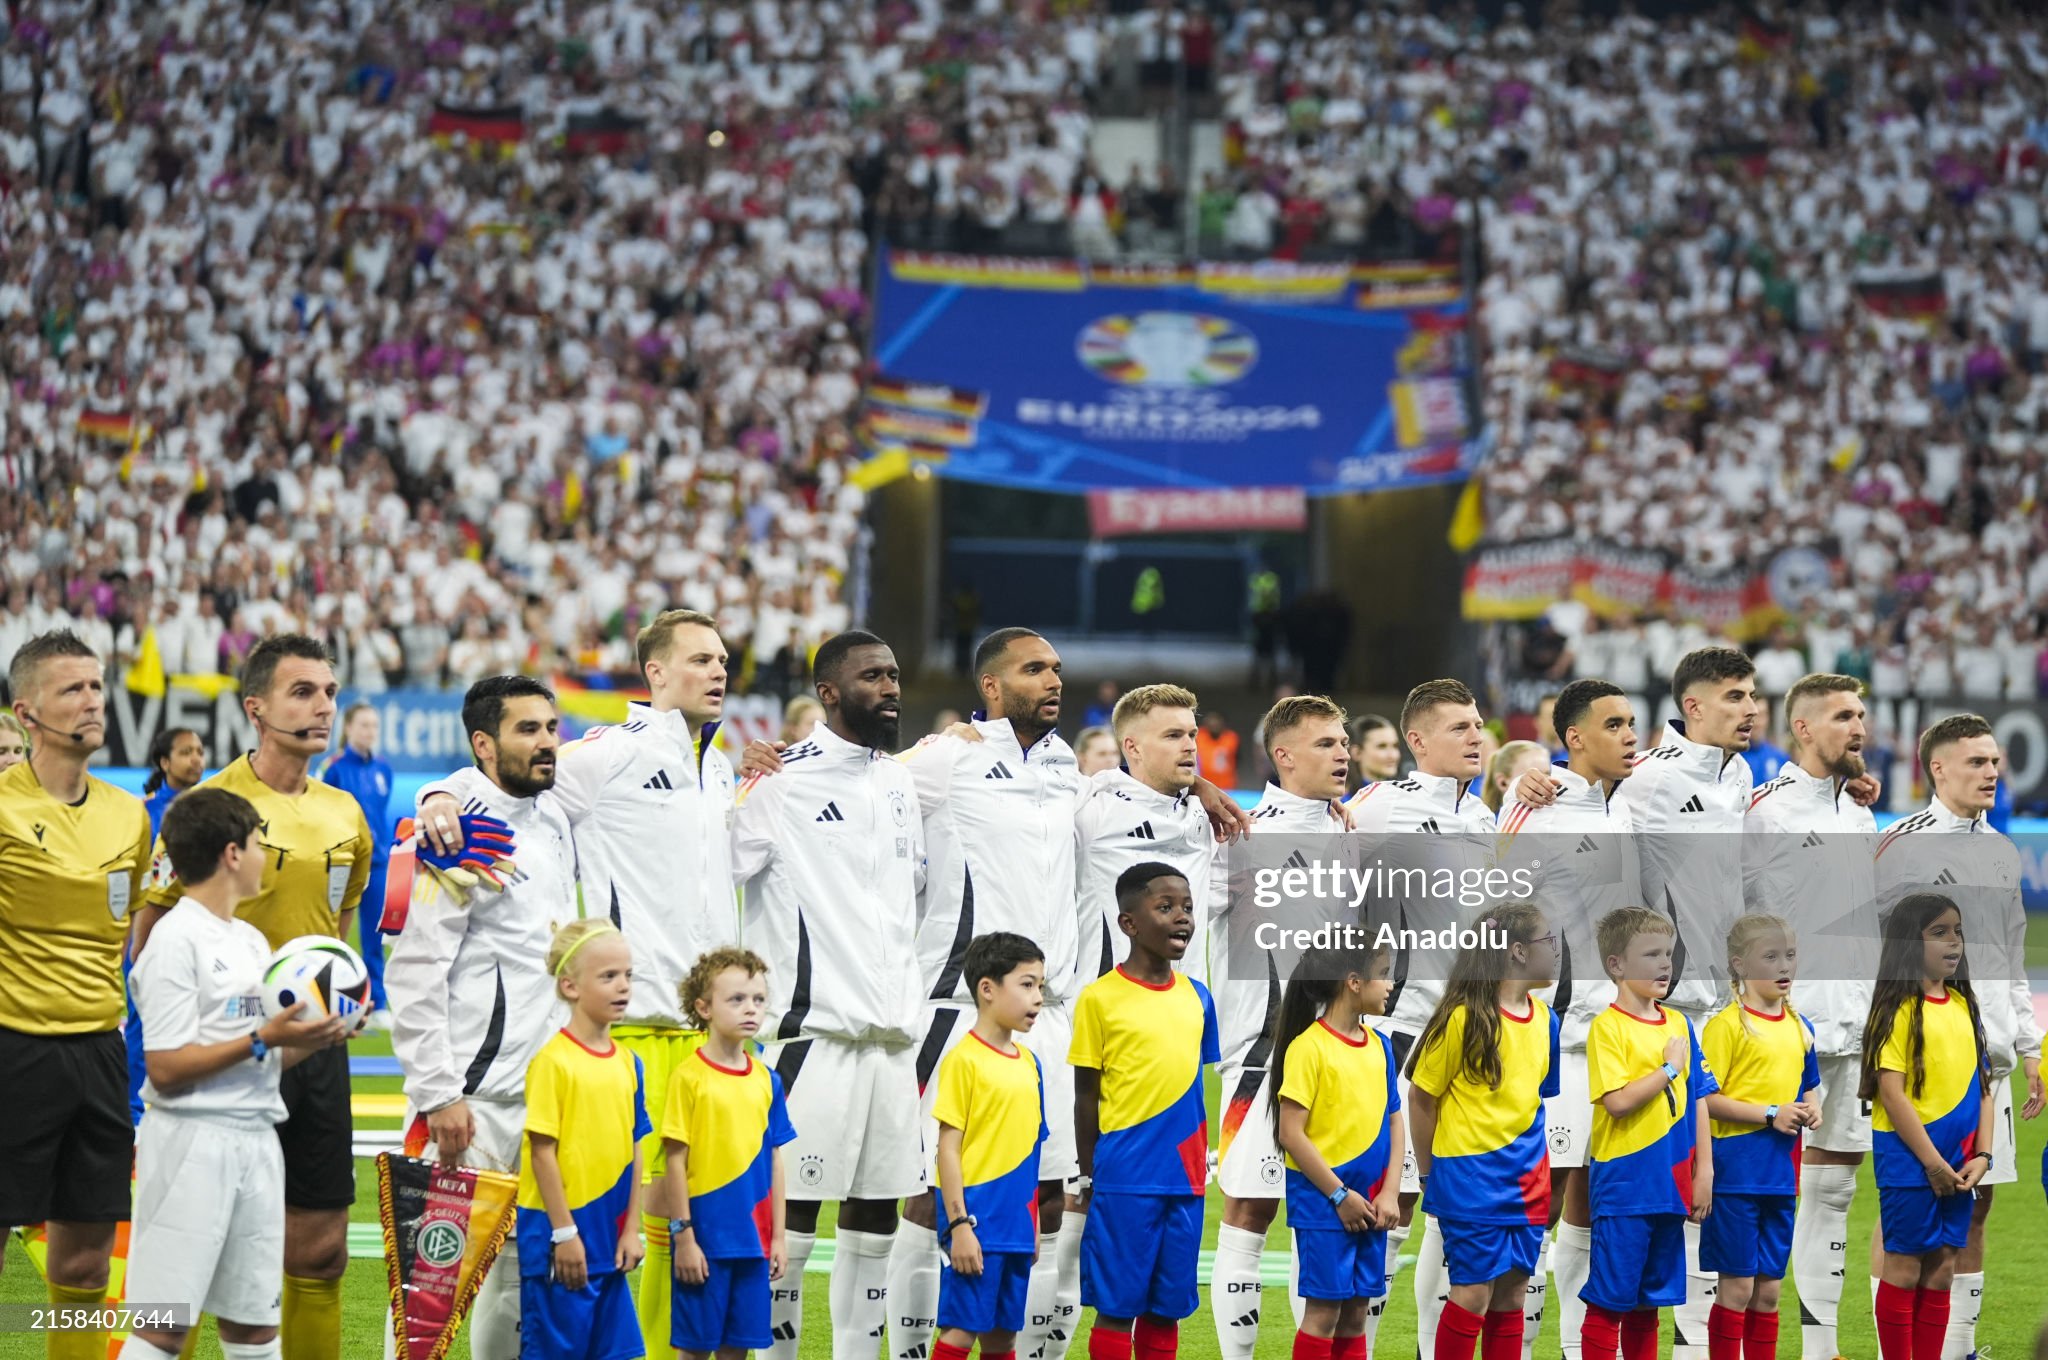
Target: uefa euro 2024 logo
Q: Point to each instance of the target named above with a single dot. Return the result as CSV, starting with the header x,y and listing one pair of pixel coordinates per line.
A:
x,y
1167,349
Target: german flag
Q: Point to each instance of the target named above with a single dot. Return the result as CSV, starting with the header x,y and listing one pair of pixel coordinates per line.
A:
x,y
116,426
892,425
604,133
1585,366
1756,38
928,396
1907,297
493,123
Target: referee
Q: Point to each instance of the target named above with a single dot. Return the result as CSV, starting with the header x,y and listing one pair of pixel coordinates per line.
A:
x,y
73,852
316,860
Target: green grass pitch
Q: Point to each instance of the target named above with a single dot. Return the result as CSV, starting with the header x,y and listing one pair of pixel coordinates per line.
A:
x,y
2016,1299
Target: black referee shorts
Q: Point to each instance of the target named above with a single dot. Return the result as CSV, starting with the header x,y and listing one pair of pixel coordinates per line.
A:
x,y
67,1148
318,1134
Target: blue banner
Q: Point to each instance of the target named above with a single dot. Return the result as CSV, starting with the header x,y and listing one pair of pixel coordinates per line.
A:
x,y
1057,375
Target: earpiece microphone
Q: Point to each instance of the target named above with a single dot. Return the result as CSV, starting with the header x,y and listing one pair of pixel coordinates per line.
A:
x,y
300,735
41,726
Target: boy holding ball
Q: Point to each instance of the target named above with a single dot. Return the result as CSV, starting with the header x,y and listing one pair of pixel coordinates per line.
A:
x,y
208,1233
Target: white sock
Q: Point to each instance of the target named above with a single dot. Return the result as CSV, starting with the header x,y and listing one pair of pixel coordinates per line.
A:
x,y
1532,1303
1820,1250
1689,1319
913,1291
272,1349
135,1348
1234,1291
1397,1238
1965,1306
1571,1262
1066,1299
1432,1287
1299,1306
1041,1298
860,1293
786,1299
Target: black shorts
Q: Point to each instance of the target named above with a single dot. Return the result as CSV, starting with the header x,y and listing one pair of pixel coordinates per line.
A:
x,y
67,1148
318,1133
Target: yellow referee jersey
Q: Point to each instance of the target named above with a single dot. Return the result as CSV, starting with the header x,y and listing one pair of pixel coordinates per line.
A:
x,y
316,857
68,878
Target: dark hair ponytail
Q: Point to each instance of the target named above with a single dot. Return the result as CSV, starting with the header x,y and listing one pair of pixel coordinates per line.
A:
x,y
1317,980
159,751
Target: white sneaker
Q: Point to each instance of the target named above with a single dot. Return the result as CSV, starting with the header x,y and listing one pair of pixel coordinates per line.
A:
x,y
381,1019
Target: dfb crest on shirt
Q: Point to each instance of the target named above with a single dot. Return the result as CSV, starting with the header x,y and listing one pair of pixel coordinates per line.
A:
x,y
899,807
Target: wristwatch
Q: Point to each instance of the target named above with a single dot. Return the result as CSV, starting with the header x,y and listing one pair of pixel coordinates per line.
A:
x,y
1770,1114
1339,1195
1670,1072
257,1048
678,1226
964,1221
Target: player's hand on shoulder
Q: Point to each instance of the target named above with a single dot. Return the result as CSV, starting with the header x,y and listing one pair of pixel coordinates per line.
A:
x,y
452,1129
1864,790
1227,817
1538,789
762,757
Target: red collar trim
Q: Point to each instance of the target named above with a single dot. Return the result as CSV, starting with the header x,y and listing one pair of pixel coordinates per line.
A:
x,y
586,1047
997,1051
1764,1015
1523,1018
1662,1014
1359,1042
1941,1000
1165,986
729,1071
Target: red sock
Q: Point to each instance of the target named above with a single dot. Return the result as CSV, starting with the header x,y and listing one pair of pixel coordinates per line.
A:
x,y
1600,1334
1348,1347
1308,1347
1724,1333
1457,1333
942,1351
1501,1336
1759,1336
1930,1323
1894,1311
1104,1344
1639,1334
1152,1340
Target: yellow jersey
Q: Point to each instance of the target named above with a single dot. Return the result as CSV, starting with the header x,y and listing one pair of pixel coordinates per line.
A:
x,y
316,857
69,874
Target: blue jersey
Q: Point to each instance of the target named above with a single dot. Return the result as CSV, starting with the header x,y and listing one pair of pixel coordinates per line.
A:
x,y
368,781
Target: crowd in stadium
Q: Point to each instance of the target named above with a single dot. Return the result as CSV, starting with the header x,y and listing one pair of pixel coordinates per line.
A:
x,y
279,359
1747,288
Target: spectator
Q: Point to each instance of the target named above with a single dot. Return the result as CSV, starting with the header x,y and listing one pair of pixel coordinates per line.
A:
x,y
1216,745
1099,712
1095,751
1779,665
13,741
1507,766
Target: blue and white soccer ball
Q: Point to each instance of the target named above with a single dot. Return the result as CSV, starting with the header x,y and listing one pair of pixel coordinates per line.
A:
x,y
326,973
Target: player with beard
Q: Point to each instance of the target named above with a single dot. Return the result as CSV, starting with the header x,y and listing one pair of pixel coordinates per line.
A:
x,y
1806,855
1584,862
1309,752
1438,799
472,1000
316,864
830,854
1950,847
73,852
651,802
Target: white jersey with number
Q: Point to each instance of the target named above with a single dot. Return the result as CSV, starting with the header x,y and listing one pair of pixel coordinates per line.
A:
x,y
1807,851
1963,858
830,856
1461,827
651,805
1688,802
201,982
1582,856
1122,822
471,997
999,845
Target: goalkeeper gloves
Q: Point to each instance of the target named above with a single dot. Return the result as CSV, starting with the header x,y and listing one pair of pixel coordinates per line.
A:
x,y
485,857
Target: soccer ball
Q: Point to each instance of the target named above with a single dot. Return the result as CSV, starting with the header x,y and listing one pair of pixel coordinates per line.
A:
x,y
323,972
